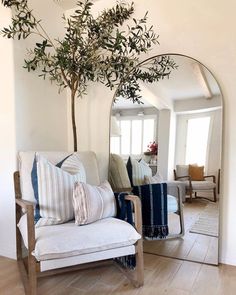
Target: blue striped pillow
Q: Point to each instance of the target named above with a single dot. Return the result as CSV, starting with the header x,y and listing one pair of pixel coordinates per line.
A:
x,y
53,188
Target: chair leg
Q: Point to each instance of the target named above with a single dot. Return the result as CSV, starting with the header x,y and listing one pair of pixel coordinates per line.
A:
x,y
181,218
136,276
191,195
138,280
32,275
214,192
29,276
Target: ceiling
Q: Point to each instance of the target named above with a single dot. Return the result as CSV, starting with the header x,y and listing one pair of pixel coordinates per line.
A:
x,y
190,80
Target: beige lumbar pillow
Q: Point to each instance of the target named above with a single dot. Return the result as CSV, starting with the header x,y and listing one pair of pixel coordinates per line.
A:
x,y
92,203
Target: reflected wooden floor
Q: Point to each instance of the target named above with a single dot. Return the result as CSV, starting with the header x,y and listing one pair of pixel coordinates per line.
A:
x,y
162,276
192,246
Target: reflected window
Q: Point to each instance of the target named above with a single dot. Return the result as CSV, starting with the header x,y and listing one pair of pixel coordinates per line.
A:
x,y
136,143
125,126
197,140
136,134
115,145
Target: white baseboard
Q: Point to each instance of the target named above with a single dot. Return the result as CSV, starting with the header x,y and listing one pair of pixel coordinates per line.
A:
x,y
8,252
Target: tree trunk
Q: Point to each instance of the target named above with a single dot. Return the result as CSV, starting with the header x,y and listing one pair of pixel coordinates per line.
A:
x,y
73,119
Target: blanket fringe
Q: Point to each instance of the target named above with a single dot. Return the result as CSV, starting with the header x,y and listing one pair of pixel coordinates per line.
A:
x,y
128,261
155,231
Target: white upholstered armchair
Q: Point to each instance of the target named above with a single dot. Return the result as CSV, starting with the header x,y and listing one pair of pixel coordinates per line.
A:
x,y
55,245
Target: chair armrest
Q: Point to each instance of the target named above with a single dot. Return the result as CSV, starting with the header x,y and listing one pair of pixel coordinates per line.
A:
x,y
25,204
189,179
29,211
187,176
177,187
137,212
212,176
123,190
179,177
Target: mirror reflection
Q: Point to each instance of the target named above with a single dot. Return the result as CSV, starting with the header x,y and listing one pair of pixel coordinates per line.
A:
x,y
175,137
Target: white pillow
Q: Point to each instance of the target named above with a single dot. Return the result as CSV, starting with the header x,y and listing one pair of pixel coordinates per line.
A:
x,y
92,203
157,178
53,188
137,170
182,170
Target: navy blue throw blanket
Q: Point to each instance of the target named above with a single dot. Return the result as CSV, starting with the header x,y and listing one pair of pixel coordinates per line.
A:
x,y
154,209
124,212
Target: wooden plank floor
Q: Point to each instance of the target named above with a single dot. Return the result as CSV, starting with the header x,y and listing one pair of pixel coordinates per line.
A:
x,y
162,276
192,246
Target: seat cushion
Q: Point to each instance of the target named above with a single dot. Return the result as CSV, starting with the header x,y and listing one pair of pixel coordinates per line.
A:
x,y
200,185
68,239
172,204
203,185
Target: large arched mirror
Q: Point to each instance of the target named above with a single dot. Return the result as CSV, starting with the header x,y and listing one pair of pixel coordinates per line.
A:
x,y
178,126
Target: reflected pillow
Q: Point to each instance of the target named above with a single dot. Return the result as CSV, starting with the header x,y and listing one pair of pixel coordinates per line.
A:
x,y
92,203
157,178
182,170
196,172
118,175
137,171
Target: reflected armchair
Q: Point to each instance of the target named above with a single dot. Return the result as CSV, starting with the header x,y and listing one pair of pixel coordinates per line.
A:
x,y
195,181
121,182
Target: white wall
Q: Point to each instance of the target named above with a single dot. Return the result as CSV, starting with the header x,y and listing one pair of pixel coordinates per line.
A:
x,y
7,142
93,117
206,31
172,140
32,114
214,158
166,143
163,142
41,114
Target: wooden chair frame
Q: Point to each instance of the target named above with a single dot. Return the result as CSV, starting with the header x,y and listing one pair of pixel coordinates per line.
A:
x,y
190,189
181,220
181,217
30,268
